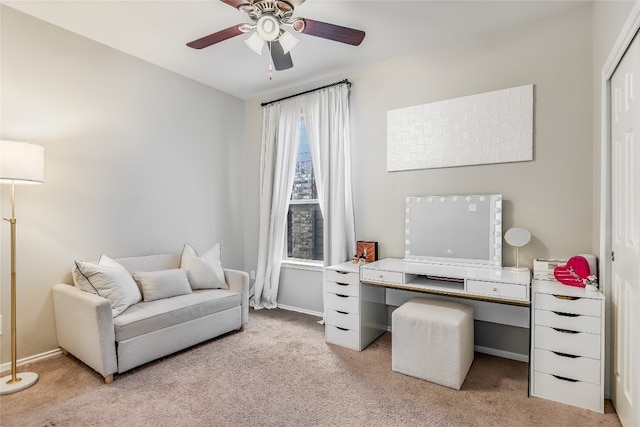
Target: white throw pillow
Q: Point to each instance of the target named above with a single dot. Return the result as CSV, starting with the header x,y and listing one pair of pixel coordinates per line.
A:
x,y
204,272
108,279
163,283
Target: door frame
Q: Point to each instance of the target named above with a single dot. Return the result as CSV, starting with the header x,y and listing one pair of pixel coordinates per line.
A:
x,y
626,35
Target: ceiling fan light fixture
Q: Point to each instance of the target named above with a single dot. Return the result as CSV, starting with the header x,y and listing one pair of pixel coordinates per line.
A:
x,y
255,43
268,28
287,41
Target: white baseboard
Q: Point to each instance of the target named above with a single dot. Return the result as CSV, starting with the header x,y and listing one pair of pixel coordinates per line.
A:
x,y
502,353
300,310
36,358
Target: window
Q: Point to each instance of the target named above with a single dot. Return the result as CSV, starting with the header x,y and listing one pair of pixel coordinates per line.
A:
x,y
304,219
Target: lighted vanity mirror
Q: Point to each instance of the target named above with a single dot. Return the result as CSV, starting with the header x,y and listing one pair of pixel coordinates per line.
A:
x,y
461,230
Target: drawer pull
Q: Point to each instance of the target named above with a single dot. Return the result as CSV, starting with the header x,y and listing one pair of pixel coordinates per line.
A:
x,y
571,380
342,296
560,313
344,312
572,356
342,284
495,289
342,272
342,329
565,297
565,331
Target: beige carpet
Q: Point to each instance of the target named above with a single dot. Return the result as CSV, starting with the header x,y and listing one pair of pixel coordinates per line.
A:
x,y
280,372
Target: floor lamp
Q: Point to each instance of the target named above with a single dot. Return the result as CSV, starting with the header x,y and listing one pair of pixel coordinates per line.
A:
x,y
20,163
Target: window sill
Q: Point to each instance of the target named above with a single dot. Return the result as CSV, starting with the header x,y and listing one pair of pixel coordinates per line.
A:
x,y
303,265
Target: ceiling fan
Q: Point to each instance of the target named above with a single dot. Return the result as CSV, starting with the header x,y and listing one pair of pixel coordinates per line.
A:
x,y
270,18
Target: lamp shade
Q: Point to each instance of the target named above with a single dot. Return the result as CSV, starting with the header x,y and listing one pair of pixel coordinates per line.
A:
x,y
21,163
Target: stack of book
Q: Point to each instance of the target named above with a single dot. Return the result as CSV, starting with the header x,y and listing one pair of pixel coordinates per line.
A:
x,y
543,268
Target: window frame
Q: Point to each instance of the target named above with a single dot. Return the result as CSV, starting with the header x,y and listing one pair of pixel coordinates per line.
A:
x,y
307,264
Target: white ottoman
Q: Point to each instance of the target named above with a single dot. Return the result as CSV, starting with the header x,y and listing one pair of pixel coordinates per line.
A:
x,y
433,340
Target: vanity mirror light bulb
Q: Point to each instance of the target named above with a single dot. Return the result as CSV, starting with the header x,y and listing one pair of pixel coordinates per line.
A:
x,y
419,200
407,242
430,199
408,199
482,198
408,210
407,220
443,199
407,252
468,198
407,231
455,198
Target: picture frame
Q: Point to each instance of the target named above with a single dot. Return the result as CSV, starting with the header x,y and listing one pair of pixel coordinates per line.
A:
x,y
371,249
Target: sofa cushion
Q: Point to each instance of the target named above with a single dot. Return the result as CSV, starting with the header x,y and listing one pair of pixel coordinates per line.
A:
x,y
162,284
204,272
150,262
145,317
108,279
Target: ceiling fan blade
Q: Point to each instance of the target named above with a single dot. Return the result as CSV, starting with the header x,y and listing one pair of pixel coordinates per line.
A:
x,y
235,3
217,37
281,60
330,31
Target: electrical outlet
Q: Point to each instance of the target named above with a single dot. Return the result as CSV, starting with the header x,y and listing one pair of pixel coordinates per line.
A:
x,y
252,275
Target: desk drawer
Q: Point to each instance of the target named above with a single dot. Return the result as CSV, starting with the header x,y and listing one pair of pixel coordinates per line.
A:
x,y
585,306
342,303
344,337
578,393
577,368
382,276
344,288
574,343
343,320
572,322
498,290
345,277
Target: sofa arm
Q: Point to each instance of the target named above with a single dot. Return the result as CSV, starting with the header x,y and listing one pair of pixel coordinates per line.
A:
x,y
84,325
238,281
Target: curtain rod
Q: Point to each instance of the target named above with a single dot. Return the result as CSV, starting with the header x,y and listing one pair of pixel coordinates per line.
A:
x,y
345,81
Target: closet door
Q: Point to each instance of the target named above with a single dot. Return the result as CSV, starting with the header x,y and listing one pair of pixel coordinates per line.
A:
x,y
625,238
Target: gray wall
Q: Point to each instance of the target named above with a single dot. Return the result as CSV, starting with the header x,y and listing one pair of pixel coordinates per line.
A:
x,y
138,160
552,195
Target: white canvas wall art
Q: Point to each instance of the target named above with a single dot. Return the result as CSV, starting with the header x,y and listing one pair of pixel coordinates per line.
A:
x,y
491,127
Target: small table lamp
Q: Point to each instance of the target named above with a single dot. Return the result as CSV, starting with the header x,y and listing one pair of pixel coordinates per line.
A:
x,y
20,163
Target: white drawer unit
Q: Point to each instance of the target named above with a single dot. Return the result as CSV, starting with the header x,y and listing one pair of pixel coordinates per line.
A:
x,y
342,305
352,318
567,345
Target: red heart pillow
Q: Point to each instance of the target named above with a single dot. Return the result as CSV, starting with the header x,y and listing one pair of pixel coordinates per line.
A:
x,y
574,273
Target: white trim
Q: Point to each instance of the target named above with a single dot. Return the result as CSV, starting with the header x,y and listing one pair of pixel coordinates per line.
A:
x,y
628,32
302,265
300,310
32,359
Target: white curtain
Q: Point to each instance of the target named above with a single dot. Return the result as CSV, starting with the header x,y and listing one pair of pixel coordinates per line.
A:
x,y
280,135
326,114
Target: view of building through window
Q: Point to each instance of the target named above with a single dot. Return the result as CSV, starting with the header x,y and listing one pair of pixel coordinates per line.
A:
x,y
304,220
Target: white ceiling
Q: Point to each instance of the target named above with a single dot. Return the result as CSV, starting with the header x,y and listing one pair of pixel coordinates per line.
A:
x,y
157,31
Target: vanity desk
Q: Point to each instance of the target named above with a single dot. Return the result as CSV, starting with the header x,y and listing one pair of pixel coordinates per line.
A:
x,y
356,297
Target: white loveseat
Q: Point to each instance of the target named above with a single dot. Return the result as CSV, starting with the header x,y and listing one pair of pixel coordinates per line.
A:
x,y
110,342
